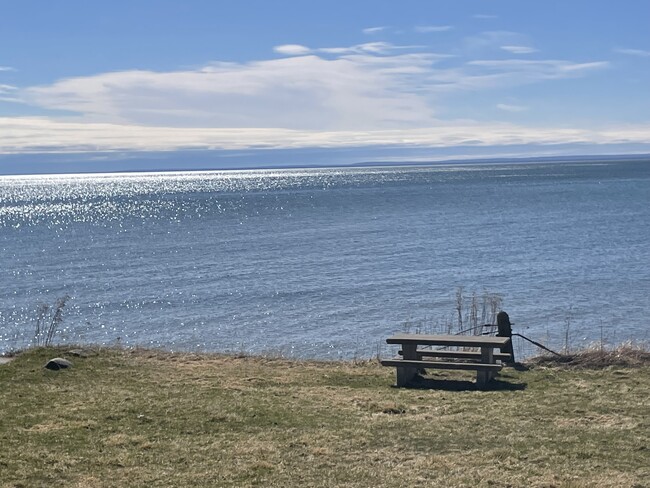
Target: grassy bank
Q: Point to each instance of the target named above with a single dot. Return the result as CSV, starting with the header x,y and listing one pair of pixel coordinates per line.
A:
x,y
143,418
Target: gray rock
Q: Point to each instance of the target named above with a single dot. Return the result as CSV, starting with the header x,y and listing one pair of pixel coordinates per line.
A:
x,y
57,364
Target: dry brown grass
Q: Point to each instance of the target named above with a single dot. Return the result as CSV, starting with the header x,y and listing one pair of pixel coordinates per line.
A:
x,y
625,355
150,418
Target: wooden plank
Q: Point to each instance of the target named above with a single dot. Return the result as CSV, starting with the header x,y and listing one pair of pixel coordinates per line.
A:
x,y
437,353
411,363
449,340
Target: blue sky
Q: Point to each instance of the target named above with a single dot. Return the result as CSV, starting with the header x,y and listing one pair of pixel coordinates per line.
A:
x,y
240,82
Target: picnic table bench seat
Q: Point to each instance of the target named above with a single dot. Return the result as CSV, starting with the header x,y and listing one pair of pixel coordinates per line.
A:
x,y
441,365
441,353
449,340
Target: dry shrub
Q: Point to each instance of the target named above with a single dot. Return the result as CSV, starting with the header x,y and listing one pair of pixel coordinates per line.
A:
x,y
628,355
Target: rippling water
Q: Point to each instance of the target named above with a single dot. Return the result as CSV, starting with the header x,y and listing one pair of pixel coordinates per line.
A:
x,y
326,262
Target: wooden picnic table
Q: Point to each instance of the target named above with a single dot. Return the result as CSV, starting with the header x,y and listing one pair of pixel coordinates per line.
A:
x,y
483,362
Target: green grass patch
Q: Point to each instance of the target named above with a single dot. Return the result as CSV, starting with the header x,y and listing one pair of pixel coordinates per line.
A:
x,y
148,418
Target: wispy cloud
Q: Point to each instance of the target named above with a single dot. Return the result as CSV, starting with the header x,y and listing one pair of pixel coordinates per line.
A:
x,y
507,107
292,49
7,94
423,29
634,52
496,41
485,16
374,30
367,47
493,40
535,70
519,49
7,68
500,74
578,69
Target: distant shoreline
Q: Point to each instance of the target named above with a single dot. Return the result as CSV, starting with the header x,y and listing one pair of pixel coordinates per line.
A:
x,y
583,159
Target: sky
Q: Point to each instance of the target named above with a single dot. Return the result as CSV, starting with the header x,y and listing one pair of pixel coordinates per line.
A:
x,y
160,84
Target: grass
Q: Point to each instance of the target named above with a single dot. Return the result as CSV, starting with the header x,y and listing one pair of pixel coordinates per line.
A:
x,y
597,357
149,418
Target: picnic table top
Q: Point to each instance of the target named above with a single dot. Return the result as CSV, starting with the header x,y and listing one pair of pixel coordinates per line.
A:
x,y
449,340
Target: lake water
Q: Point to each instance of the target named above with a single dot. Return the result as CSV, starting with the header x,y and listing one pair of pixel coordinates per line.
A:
x,y
326,263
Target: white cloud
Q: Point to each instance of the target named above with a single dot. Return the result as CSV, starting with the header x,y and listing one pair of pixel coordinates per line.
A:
x,y
366,86
292,49
7,68
485,16
374,30
29,134
306,92
6,88
519,49
634,52
369,85
506,107
433,28
368,92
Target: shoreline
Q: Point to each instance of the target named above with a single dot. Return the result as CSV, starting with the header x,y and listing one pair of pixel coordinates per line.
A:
x,y
627,354
413,163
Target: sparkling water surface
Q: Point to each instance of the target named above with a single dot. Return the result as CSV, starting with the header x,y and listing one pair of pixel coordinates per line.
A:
x,y
326,263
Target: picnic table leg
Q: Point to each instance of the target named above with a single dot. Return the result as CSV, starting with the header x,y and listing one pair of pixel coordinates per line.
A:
x,y
405,374
483,376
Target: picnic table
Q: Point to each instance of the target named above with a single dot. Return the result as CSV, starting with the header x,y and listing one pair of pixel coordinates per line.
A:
x,y
415,347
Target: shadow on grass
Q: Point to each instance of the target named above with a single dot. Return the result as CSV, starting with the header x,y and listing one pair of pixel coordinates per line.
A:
x,y
425,383
519,367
